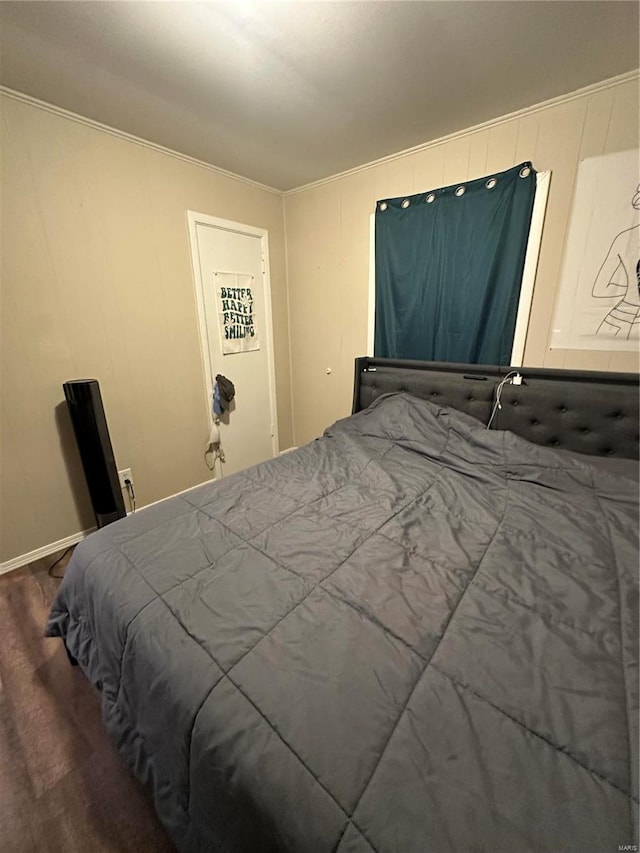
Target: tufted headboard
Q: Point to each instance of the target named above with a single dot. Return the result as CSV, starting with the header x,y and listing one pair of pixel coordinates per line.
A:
x,y
582,411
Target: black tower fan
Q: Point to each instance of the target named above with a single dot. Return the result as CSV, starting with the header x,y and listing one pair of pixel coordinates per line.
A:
x,y
92,434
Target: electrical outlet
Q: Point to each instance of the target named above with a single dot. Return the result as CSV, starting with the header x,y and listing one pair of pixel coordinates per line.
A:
x,y
123,475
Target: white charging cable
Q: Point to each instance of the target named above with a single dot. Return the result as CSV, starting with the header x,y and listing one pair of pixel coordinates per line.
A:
x,y
513,378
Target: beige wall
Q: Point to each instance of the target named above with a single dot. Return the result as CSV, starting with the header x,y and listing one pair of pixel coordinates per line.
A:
x,y
97,282
328,239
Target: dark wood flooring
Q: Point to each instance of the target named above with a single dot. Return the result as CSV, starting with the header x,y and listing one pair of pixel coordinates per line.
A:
x,y
63,787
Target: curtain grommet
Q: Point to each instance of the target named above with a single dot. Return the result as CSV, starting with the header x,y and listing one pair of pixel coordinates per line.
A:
x,y
430,198
383,205
405,203
460,191
491,183
525,172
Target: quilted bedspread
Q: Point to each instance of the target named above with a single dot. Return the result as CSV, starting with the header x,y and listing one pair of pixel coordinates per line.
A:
x,y
412,635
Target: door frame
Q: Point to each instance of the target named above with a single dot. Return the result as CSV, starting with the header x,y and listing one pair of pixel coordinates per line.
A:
x,y
194,219
543,181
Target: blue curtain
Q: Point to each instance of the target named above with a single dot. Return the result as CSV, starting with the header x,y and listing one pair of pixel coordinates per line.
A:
x,y
449,267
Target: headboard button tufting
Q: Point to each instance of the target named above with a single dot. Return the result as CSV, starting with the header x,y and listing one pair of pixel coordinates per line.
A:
x,y
548,402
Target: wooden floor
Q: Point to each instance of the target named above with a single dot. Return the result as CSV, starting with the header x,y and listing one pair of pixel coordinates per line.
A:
x,y
63,787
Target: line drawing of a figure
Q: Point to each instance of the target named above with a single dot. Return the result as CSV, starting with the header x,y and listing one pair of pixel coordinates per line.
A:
x,y
619,275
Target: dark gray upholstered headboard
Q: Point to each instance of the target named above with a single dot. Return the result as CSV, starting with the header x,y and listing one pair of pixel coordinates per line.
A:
x,y
581,411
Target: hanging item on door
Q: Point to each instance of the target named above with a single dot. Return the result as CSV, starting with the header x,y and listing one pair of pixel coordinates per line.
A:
x,y
236,312
223,393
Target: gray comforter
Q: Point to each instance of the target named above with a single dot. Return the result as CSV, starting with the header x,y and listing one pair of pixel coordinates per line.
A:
x,y
412,635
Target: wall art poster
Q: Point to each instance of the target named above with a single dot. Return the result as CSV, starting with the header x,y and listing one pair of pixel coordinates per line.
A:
x,y
598,303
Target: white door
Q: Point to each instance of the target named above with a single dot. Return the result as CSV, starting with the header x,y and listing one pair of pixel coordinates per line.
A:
x,y
231,276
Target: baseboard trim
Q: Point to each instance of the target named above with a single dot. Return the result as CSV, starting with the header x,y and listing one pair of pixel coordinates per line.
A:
x,y
45,551
73,539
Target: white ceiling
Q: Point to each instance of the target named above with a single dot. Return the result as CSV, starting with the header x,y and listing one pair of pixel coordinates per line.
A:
x,y
289,92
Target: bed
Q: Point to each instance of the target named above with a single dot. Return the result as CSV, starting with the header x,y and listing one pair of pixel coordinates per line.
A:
x,y
413,635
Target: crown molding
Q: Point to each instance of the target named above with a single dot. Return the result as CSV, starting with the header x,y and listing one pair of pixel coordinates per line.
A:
x,y
129,137
610,83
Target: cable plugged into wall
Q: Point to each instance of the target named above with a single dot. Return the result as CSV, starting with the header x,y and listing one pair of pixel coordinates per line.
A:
x,y
131,494
124,475
126,484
